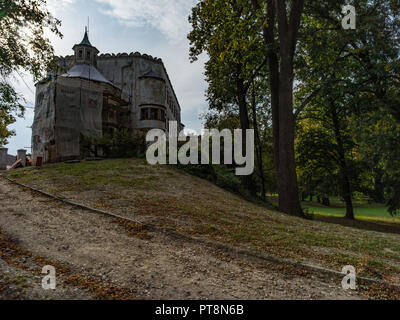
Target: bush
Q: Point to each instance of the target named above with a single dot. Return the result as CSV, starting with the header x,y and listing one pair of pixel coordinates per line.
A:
x,y
221,175
122,144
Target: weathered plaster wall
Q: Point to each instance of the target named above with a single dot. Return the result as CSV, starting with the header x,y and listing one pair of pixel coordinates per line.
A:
x,y
67,109
43,134
125,71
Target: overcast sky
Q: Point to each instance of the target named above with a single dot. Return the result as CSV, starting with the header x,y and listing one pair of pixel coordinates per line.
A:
x,y
155,27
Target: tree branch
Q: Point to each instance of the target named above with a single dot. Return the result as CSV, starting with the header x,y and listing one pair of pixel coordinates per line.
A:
x,y
306,102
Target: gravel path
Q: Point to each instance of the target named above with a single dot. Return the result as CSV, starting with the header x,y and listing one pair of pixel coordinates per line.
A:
x,y
97,257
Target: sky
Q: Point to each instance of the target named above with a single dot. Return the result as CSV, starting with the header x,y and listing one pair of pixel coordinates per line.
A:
x,y
155,27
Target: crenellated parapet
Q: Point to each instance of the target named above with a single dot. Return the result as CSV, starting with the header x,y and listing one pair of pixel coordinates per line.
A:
x,y
132,54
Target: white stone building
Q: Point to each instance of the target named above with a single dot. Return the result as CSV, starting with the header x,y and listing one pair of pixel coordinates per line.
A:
x,y
91,94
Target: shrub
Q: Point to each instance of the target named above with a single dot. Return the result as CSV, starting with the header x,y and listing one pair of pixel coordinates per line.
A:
x,y
122,144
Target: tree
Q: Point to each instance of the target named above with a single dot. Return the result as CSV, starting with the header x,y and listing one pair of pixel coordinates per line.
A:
x,y
339,74
224,30
23,46
325,143
288,15
350,74
316,160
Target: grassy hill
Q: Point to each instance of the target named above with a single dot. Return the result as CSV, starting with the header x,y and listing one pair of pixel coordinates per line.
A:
x,y
168,197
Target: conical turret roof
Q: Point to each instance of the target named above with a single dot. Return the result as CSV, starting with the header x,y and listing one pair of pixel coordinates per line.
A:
x,y
85,40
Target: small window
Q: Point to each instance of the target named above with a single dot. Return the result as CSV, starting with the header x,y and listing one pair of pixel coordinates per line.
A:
x,y
80,54
154,114
144,114
162,115
88,54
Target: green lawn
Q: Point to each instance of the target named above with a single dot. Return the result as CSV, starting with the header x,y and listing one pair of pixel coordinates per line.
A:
x,y
372,212
362,210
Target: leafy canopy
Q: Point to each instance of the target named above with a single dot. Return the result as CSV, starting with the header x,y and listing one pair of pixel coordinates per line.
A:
x,y
23,46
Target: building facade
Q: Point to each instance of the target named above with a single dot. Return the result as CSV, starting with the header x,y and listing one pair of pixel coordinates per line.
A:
x,y
90,95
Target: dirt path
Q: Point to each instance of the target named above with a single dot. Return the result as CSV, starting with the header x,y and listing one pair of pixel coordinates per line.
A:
x,y
98,257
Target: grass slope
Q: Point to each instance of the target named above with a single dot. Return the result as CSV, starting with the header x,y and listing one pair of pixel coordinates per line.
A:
x,y
169,197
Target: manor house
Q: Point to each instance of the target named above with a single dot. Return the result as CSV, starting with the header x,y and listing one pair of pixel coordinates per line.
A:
x,y
89,95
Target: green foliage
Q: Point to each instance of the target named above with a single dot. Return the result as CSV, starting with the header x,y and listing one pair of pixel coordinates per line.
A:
x,y
9,106
23,46
228,33
121,145
355,75
221,175
347,85
379,148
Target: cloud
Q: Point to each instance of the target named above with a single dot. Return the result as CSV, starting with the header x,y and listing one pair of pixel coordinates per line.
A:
x,y
167,16
57,6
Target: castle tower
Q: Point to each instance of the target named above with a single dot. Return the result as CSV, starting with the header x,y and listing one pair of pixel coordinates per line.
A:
x,y
85,53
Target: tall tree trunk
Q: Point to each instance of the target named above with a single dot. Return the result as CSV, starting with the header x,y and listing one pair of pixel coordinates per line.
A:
x,y
379,186
347,197
243,112
287,186
274,87
288,30
259,145
244,123
273,63
344,172
281,82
